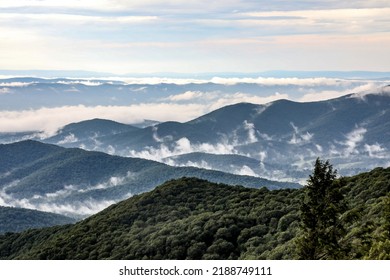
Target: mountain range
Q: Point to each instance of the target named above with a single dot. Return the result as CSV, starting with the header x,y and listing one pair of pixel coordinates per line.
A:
x,y
91,165
78,183
277,141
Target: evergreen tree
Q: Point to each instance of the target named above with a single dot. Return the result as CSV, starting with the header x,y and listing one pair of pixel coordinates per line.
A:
x,y
380,249
321,210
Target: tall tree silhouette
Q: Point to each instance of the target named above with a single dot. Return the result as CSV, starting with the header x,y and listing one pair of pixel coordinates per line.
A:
x,y
321,210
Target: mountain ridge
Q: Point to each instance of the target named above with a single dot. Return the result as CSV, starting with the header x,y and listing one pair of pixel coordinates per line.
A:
x,y
352,130
20,219
72,181
191,218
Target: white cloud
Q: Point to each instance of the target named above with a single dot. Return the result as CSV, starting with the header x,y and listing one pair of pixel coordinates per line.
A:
x,y
306,82
52,202
246,171
159,139
301,139
262,156
68,139
90,83
183,146
371,89
157,80
230,99
250,128
202,164
50,119
354,138
334,20
375,150
75,19
84,208
296,130
307,136
14,84
357,91
298,137
309,82
188,95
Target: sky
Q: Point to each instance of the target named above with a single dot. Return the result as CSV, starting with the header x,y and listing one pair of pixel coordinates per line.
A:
x,y
150,36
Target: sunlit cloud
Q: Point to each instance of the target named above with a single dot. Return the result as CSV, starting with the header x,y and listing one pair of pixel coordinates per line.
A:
x,y
77,19
50,120
356,91
193,36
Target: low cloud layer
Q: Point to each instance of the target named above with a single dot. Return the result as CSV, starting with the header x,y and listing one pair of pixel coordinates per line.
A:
x,y
161,103
54,202
182,146
50,120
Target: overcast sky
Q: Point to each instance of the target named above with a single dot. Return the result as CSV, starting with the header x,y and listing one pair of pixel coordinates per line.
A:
x,y
123,36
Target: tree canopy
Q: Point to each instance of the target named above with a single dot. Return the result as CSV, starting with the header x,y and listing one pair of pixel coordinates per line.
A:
x,y
191,218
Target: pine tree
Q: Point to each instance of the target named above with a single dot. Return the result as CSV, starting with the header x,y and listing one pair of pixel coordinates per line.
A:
x,y
321,210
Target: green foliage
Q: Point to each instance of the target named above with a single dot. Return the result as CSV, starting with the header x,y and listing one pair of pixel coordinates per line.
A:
x,y
321,210
182,219
195,219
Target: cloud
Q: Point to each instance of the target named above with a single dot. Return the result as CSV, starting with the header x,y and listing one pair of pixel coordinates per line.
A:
x,y
76,19
230,99
358,91
183,146
202,164
262,156
158,80
14,84
250,128
89,83
299,138
339,21
375,150
371,89
50,120
72,209
186,96
200,36
53,202
246,171
353,139
68,139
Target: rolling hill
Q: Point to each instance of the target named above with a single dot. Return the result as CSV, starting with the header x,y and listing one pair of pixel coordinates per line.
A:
x,y
194,219
19,219
353,131
79,183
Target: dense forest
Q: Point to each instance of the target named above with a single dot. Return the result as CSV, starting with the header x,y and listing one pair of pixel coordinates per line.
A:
x,y
191,218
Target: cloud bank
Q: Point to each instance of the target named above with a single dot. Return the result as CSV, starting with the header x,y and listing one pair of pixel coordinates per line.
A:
x,y
49,120
179,105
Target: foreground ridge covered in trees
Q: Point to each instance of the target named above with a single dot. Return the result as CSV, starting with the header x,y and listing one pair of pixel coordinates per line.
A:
x,y
191,218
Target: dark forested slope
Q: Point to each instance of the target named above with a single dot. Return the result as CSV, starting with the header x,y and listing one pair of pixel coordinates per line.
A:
x,y
195,219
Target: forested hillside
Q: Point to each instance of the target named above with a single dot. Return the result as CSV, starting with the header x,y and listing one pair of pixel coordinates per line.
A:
x,y
195,219
19,219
